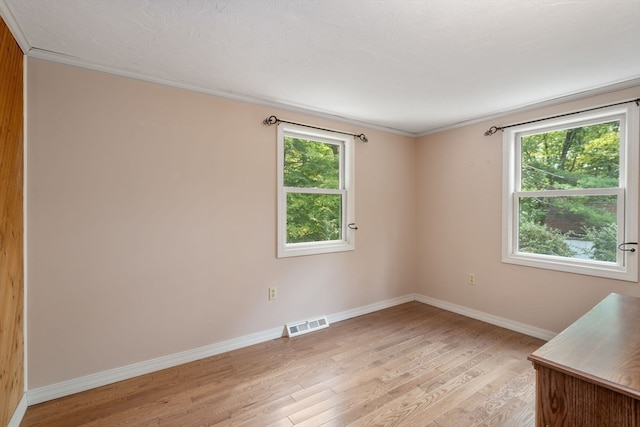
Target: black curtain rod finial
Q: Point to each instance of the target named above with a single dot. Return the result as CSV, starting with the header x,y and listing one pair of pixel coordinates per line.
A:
x,y
492,130
271,120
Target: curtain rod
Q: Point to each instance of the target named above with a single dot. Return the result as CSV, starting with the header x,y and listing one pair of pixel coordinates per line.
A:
x,y
272,120
494,129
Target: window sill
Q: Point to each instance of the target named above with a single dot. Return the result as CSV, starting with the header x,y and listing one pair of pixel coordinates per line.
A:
x,y
303,249
599,269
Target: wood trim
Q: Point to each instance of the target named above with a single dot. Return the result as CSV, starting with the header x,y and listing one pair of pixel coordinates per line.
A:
x,y
12,382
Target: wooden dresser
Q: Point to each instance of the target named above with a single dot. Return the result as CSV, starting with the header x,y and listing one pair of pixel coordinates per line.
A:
x,y
589,374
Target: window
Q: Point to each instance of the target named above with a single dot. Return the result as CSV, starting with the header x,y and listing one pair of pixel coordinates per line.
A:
x,y
570,193
315,192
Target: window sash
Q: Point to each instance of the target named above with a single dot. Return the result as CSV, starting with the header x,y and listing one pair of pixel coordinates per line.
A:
x,y
626,265
346,181
568,124
620,211
318,140
343,211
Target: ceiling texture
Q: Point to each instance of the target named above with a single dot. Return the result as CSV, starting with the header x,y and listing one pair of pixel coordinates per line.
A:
x,y
409,67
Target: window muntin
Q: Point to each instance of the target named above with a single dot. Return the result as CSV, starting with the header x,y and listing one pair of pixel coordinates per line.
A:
x,y
570,193
315,195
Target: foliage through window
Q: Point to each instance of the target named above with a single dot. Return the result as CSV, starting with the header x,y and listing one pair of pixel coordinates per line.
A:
x,y
315,194
570,193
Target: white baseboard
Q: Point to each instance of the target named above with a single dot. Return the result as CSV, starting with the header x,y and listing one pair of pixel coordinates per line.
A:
x,y
359,311
111,376
18,414
76,385
489,318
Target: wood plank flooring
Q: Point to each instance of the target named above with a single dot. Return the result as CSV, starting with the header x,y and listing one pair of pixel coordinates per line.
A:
x,y
409,365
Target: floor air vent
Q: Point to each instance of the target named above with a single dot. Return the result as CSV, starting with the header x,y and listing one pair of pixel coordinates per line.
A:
x,y
304,327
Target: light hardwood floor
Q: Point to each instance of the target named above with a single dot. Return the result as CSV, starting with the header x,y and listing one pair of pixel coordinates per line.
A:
x,y
409,365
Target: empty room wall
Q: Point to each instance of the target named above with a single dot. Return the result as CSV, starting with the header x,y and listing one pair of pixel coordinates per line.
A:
x,y
152,214
459,211
152,225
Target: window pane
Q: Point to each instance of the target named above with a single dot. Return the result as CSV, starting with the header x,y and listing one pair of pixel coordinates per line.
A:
x,y
570,226
313,217
311,164
580,157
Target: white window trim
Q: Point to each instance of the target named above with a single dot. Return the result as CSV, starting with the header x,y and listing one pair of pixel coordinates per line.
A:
x,y
627,266
347,243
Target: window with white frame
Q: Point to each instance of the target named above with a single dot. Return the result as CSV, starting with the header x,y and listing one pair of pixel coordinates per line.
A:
x,y
570,193
315,192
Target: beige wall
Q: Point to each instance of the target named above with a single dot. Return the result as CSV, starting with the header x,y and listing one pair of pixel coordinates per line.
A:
x,y
459,211
151,218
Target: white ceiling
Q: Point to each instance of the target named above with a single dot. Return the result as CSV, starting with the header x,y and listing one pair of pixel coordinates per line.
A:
x,y
410,66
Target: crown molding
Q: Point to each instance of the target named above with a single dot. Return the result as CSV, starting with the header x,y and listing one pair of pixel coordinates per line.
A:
x,y
301,109
600,90
78,62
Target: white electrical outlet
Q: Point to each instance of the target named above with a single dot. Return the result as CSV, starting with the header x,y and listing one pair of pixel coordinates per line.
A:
x,y
471,279
273,293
